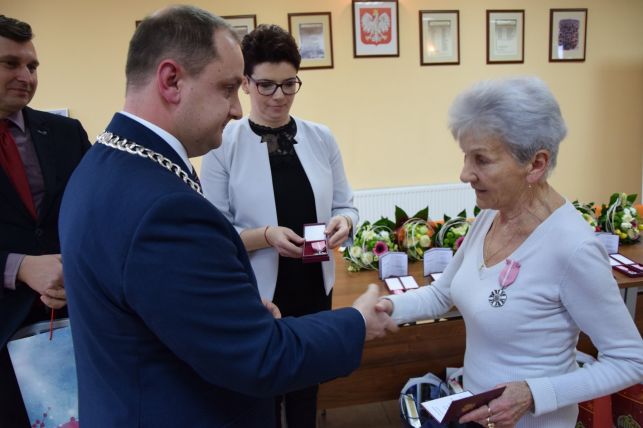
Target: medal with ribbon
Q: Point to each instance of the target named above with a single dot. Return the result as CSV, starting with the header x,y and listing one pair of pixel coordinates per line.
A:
x,y
507,276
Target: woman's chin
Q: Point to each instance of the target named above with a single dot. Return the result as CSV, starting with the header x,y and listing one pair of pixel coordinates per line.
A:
x,y
482,204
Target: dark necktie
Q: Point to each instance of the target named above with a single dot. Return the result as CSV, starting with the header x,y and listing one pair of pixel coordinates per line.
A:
x,y
11,162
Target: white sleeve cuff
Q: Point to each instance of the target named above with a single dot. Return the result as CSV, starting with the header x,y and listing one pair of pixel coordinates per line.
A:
x,y
543,394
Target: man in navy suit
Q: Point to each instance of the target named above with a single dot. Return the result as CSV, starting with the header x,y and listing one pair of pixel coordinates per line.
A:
x,y
167,322
46,148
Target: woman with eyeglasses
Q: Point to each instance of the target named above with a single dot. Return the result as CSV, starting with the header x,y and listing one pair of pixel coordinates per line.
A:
x,y
272,175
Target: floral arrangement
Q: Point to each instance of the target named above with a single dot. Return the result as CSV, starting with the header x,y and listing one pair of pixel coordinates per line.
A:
x,y
588,213
371,241
414,234
621,218
451,233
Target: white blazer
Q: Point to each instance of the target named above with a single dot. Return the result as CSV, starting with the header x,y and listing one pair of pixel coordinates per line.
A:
x,y
237,179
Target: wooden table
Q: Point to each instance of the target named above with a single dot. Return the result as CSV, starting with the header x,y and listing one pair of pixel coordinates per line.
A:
x,y
417,349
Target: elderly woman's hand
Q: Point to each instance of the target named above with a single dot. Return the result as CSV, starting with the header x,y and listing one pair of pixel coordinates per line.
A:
x,y
504,411
285,241
337,230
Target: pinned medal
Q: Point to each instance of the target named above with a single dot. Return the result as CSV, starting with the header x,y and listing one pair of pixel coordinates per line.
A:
x,y
497,298
508,275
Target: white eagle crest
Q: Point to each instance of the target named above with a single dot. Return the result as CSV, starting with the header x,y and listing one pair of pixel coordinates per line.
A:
x,y
376,26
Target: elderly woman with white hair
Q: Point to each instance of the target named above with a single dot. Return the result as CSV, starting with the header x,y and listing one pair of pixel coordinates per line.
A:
x,y
530,275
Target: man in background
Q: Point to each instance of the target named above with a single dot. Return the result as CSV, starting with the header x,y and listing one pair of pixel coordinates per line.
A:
x,y
167,322
38,152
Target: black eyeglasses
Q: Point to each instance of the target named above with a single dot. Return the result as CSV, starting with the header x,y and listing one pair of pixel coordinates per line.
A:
x,y
268,87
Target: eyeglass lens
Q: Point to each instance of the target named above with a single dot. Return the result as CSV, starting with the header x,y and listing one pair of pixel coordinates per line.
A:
x,y
268,87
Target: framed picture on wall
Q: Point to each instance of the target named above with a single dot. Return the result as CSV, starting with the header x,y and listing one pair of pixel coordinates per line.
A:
x,y
242,24
439,37
314,35
375,29
505,36
567,34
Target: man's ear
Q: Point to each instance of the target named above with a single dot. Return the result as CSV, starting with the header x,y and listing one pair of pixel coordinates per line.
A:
x,y
245,85
169,74
538,166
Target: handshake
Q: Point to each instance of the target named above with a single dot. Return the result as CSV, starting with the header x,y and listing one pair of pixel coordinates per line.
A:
x,y
376,313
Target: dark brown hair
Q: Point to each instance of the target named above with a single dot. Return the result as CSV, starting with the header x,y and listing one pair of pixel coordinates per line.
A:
x,y
15,30
269,43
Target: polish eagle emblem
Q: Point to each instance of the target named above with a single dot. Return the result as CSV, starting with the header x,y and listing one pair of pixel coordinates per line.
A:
x,y
375,25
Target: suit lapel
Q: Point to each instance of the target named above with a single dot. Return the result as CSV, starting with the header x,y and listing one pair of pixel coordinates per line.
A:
x,y
42,139
8,192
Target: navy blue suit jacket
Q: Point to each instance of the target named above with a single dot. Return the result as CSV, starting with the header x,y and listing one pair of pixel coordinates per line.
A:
x,y
60,143
167,322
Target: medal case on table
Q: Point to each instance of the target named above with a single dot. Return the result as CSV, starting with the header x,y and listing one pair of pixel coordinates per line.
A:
x,y
626,266
394,271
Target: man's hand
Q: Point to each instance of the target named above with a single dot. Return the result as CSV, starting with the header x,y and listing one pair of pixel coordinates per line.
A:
x,y
384,305
44,274
377,322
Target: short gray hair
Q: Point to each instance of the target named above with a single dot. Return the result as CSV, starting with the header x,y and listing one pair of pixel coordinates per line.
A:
x,y
521,111
183,33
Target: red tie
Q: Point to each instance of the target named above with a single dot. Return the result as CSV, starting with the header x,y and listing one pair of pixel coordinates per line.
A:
x,y
12,164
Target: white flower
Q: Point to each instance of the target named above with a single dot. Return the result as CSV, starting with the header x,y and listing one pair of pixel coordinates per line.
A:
x,y
367,258
626,225
627,217
633,234
425,241
384,235
461,230
355,251
369,235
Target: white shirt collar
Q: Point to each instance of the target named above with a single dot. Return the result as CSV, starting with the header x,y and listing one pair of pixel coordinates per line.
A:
x,y
166,136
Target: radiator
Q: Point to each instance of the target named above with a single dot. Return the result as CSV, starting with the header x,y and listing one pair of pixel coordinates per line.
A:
x,y
441,199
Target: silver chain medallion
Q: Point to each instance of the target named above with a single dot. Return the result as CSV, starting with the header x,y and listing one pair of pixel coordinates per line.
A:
x,y
497,298
114,141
